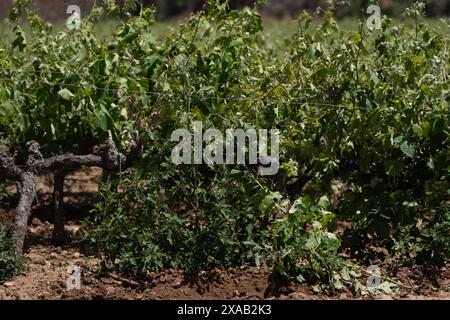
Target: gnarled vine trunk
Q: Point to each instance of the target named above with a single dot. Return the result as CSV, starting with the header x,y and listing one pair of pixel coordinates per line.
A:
x,y
27,196
105,156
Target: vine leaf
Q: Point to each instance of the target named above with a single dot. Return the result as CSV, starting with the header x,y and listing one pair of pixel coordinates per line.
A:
x,y
407,149
65,94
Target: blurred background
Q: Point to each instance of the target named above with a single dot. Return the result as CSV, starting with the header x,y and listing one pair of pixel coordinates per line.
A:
x,y
55,10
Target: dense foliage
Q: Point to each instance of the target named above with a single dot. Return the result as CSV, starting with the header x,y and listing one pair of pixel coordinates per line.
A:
x,y
367,109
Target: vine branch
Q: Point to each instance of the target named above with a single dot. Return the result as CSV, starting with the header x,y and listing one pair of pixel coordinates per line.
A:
x,y
105,156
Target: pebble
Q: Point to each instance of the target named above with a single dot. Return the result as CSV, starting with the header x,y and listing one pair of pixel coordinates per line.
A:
x,y
36,222
260,287
343,296
297,296
110,290
384,297
177,284
36,259
107,281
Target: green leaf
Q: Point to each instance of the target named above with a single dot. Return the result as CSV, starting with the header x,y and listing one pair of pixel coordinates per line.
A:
x,y
407,149
65,94
430,163
324,202
300,278
268,202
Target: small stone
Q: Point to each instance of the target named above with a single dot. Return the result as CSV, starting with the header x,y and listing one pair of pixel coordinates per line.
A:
x,y
110,290
9,284
384,297
36,222
41,295
107,281
77,255
36,259
404,295
343,296
177,284
260,287
23,296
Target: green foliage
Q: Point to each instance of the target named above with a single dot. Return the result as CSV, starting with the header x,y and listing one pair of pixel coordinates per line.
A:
x,y
370,109
66,88
436,247
163,222
10,266
380,124
427,242
302,244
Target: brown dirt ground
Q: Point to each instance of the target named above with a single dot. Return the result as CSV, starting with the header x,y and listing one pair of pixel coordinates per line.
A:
x,y
47,270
